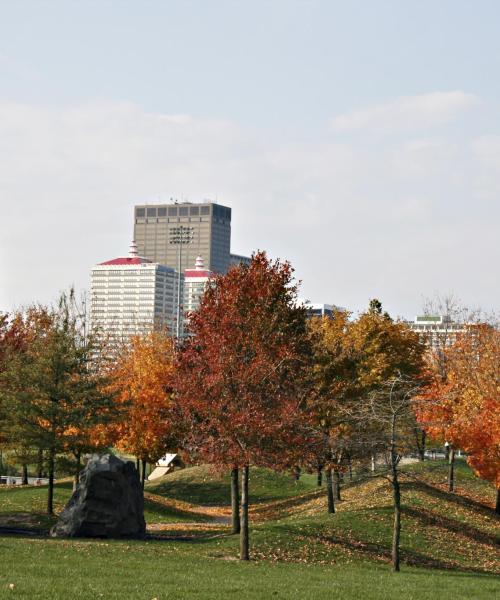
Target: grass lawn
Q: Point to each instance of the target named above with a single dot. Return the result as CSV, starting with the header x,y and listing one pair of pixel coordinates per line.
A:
x,y
59,569
450,546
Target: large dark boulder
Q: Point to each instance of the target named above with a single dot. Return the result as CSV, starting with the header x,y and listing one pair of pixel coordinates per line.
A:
x,y
108,502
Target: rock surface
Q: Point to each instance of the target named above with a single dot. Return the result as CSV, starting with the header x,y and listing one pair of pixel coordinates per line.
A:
x,y
108,502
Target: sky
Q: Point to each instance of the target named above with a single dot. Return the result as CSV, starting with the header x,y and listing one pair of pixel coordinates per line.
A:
x,y
360,140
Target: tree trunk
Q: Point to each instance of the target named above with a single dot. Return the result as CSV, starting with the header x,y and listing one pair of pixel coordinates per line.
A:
x,y
78,468
296,473
397,520
25,474
336,480
420,436
244,542
143,473
50,497
451,471
497,505
329,491
235,500
349,466
447,452
320,476
373,462
138,465
39,465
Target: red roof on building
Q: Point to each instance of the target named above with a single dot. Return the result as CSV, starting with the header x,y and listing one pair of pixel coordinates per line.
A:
x,y
126,260
196,273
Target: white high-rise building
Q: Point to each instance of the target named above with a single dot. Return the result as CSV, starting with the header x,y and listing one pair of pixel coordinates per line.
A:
x,y
132,295
195,284
437,331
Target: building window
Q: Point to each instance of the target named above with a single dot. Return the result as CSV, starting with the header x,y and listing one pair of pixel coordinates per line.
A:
x,y
183,211
205,210
194,210
172,211
151,212
162,211
140,212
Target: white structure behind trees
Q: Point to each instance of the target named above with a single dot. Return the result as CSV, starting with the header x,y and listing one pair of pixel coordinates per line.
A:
x,y
132,295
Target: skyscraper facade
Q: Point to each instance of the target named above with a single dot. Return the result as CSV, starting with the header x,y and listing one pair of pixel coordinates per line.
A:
x,y
206,227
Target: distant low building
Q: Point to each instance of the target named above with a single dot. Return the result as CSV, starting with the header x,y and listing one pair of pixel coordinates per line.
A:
x,y
436,331
237,259
317,309
132,295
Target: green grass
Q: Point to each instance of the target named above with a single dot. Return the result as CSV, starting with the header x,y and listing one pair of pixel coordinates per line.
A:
x,y
57,569
449,544
26,507
200,485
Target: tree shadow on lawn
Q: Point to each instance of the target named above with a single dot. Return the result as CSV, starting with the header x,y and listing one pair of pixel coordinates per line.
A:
x,y
429,517
210,493
411,558
465,501
282,508
192,537
164,510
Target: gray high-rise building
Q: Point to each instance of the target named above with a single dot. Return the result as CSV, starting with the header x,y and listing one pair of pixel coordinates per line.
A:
x,y
209,233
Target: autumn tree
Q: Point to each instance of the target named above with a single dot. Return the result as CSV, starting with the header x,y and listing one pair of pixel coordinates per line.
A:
x,y
455,314
241,373
464,404
334,386
142,381
389,370
50,386
4,328
17,333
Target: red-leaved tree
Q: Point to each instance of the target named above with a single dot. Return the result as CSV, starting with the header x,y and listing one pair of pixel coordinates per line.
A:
x,y
241,374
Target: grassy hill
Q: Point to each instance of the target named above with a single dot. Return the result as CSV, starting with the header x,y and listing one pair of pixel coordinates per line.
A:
x,y
450,545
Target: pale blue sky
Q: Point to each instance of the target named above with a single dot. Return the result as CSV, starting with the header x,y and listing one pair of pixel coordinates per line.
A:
x,y
271,63
380,119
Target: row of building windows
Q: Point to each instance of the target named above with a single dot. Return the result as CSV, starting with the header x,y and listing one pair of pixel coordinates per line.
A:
x,y
222,212
172,211
145,221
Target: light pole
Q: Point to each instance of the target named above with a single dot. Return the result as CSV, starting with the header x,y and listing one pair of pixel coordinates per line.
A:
x,y
179,236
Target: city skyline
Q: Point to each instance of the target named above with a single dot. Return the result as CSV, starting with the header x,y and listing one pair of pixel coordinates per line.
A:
x,y
360,142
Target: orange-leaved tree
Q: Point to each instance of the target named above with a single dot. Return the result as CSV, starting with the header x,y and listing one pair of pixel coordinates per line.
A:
x,y
142,381
242,372
465,403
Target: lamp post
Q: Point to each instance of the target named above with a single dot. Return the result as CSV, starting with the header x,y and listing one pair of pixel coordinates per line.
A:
x,y
180,236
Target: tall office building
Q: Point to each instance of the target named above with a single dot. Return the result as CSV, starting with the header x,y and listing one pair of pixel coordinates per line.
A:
x,y
132,295
206,226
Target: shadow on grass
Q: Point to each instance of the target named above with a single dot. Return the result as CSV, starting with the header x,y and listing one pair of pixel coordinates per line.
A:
x,y
409,557
429,517
194,537
161,510
436,492
210,493
281,508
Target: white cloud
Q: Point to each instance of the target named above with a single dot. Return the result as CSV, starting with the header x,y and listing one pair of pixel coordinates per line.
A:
x,y
393,222
405,114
